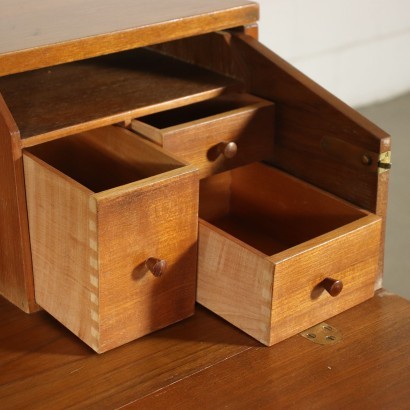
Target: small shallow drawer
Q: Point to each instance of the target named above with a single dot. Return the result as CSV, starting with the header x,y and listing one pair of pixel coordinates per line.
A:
x,y
274,252
214,135
113,230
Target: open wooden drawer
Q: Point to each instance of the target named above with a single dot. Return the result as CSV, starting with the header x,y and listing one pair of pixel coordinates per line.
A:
x,y
216,134
92,232
277,255
113,230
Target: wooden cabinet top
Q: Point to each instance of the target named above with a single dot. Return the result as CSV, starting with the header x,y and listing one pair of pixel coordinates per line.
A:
x,y
40,33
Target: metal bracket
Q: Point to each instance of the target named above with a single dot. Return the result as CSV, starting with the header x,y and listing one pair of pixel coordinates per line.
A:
x,y
322,334
384,163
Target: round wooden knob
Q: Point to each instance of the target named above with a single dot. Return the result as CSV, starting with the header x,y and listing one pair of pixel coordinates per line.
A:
x,y
156,266
332,286
228,149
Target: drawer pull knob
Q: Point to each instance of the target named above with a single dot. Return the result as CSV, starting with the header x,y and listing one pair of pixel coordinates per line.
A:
x,y
332,286
156,266
228,149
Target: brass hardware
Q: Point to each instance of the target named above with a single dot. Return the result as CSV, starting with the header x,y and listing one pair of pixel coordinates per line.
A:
x,y
384,163
323,334
355,156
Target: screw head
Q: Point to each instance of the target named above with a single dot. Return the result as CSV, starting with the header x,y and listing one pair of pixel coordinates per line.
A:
x,y
366,159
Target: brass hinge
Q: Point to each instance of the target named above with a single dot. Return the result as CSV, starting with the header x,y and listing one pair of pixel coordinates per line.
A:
x,y
322,334
384,163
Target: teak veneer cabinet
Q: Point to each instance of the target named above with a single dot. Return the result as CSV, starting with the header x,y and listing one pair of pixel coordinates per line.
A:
x,y
154,156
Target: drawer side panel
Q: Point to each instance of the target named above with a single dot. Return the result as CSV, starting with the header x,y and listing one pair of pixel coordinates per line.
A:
x,y
63,234
235,282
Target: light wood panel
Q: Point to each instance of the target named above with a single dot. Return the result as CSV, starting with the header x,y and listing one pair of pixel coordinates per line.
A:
x,y
349,254
16,281
43,33
235,282
158,220
70,98
195,132
63,233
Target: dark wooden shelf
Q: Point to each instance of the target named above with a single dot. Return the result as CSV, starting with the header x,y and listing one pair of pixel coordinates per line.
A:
x,y
60,100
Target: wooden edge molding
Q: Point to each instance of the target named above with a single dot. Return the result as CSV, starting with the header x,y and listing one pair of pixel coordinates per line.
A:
x,y
92,46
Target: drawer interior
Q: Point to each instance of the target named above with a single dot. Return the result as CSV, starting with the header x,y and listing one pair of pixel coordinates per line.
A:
x,y
200,110
104,158
270,210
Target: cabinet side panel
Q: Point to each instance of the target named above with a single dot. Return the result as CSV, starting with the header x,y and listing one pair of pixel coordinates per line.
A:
x,y
63,233
16,278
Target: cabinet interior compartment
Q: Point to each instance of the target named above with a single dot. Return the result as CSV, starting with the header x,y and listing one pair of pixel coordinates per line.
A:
x,y
61,100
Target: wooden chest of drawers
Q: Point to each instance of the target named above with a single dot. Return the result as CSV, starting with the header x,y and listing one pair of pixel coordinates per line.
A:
x,y
154,160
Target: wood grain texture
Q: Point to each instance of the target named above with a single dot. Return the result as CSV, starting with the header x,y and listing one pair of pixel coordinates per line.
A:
x,y
91,237
45,33
16,281
63,238
158,220
194,132
369,368
261,264
349,254
44,365
306,116
235,282
319,114
306,113
205,360
57,101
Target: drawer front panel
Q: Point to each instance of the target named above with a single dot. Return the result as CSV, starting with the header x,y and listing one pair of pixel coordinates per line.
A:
x,y
349,255
248,130
160,222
